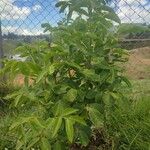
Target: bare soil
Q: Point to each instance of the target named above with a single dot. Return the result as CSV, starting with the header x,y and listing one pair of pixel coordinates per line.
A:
x,y
138,66
19,80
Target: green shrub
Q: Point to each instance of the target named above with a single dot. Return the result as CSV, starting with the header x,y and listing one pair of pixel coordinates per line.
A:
x,y
76,82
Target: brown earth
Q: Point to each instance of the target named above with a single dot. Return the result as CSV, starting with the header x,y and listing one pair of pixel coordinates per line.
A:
x,y
138,66
19,80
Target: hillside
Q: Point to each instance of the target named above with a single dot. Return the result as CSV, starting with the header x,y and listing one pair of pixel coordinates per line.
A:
x,y
138,66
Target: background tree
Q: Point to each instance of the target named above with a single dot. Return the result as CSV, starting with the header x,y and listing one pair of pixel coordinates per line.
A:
x,y
12,36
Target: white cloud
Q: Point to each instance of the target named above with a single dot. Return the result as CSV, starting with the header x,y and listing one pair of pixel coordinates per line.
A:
x,y
132,2
36,7
10,11
21,31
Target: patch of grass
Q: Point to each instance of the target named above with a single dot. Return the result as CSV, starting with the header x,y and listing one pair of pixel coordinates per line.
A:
x,y
141,88
130,126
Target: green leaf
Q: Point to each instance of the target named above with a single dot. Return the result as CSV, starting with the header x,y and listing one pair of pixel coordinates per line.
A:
x,y
124,79
61,3
24,120
48,70
71,95
113,17
83,138
57,146
69,129
68,111
17,99
41,75
47,27
114,95
58,108
56,124
106,8
24,68
73,65
33,142
36,124
61,89
90,74
62,9
14,94
19,144
95,116
107,99
83,12
78,119
19,122
45,145
69,15
111,79
35,68
98,97
51,69
91,94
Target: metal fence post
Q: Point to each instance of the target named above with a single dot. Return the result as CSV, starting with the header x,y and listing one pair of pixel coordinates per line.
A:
x,y
1,45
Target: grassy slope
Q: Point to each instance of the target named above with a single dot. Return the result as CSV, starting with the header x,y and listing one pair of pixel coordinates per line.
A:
x,y
138,66
9,46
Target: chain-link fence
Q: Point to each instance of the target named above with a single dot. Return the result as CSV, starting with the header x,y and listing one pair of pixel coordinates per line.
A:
x,y
21,21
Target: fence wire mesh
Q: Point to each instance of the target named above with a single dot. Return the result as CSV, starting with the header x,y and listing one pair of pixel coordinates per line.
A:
x,y
21,20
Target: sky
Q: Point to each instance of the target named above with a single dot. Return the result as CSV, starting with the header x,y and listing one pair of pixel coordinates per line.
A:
x,y
26,16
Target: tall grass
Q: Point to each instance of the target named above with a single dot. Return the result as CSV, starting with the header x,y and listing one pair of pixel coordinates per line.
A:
x,y
130,125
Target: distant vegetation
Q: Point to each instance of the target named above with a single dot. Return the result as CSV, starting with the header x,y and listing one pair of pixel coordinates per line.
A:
x,y
11,41
25,38
134,31
9,46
